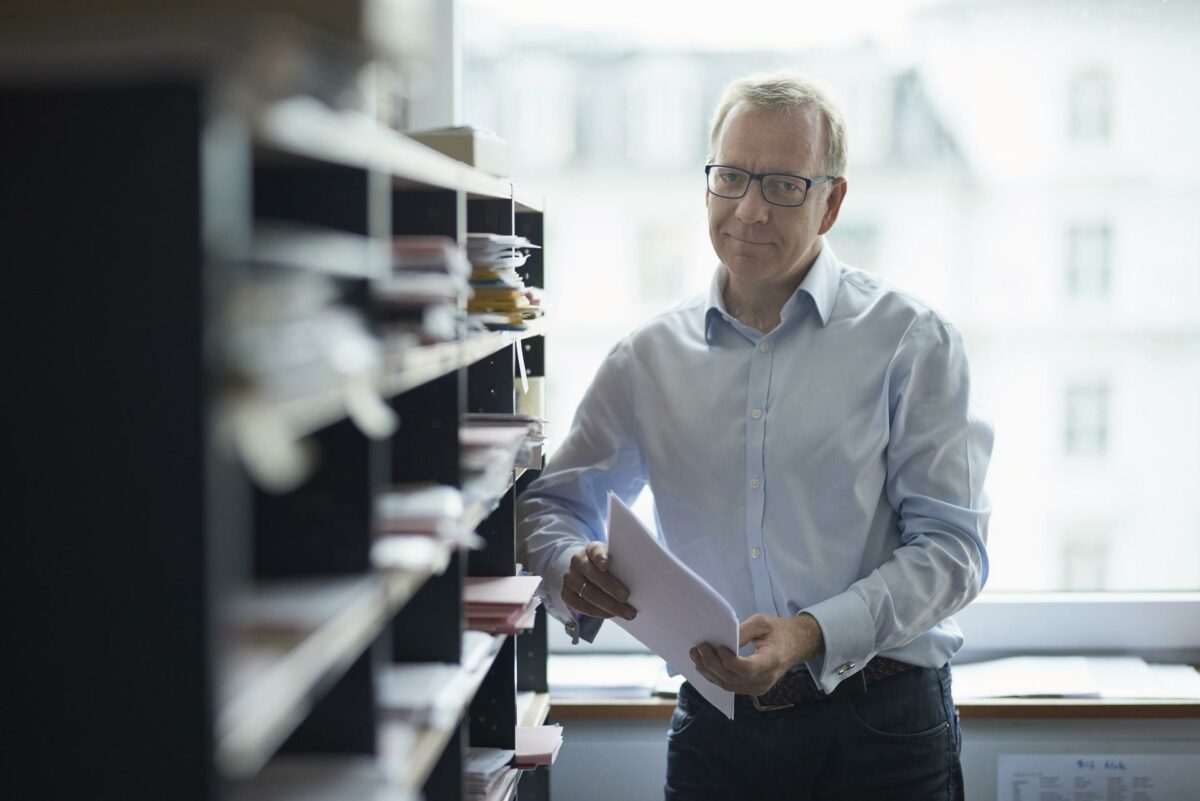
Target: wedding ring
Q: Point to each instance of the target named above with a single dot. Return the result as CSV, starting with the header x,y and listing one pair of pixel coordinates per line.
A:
x,y
581,589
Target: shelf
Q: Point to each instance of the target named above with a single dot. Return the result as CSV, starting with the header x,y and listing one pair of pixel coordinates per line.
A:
x,y
532,708
420,747
304,127
406,369
317,778
291,641
307,247
412,367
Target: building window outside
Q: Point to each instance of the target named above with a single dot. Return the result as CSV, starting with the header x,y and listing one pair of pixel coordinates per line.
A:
x,y
1087,419
1089,261
1091,106
1083,562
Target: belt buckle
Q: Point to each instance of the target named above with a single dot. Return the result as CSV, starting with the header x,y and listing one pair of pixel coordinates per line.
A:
x,y
761,707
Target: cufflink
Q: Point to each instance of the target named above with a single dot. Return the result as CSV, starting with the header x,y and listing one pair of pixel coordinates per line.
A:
x,y
845,666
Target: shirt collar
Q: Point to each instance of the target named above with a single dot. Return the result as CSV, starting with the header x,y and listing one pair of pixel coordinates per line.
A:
x,y
821,284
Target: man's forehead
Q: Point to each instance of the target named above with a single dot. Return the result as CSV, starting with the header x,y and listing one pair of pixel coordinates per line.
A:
x,y
788,133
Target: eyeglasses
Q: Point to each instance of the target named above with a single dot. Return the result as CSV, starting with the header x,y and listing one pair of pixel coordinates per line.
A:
x,y
778,188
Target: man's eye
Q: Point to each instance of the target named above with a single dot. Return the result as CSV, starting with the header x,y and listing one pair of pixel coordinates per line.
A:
x,y
787,186
732,178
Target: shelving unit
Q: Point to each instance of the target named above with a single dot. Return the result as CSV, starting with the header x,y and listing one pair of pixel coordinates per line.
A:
x,y
182,631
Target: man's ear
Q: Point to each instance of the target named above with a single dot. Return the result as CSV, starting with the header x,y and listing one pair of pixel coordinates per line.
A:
x,y
833,204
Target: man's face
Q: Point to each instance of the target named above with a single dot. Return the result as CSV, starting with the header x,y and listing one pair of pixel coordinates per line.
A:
x,y
762,244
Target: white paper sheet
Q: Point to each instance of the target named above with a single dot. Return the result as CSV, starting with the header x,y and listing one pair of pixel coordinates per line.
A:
x,y
677,610
1097,777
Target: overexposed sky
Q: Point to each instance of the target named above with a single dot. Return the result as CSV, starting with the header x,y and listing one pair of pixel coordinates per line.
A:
x,y
698,24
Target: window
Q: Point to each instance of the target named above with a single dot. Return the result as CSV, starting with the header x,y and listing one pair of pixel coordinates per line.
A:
x,y
1089,261
1085,431
1091,106
957,129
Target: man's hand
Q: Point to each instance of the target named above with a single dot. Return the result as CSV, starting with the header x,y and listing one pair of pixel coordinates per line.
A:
x,y
588,587
780,644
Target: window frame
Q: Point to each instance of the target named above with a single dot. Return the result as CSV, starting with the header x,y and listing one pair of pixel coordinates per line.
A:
x,y
1154,625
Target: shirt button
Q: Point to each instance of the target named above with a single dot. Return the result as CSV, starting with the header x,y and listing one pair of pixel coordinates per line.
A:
x,y
756,553
757,413
764,346
755,483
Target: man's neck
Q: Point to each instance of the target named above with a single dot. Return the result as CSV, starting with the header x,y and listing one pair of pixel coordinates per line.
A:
x,y
759,306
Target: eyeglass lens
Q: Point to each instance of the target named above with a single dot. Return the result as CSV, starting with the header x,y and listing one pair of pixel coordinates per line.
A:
x,y
781,190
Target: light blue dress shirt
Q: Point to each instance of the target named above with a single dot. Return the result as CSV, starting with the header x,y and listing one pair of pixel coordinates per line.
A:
x,y
832,466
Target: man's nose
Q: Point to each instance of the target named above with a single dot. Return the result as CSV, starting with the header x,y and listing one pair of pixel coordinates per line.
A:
x,y
752,207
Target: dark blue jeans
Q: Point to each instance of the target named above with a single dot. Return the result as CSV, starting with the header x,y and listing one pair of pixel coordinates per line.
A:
x,y
897,739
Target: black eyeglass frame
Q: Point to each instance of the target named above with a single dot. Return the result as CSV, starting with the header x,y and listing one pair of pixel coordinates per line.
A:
x,y
809,183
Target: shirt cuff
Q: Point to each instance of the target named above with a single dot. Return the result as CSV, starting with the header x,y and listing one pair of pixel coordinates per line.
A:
x,y
848,630
578,626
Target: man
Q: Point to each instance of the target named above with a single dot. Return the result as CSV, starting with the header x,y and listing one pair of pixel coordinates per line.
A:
x,y
807,436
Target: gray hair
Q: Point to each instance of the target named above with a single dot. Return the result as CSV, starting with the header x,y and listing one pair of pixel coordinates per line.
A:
x,y
785,91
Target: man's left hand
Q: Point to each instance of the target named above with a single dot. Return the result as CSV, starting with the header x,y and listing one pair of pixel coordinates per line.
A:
x,y
780,644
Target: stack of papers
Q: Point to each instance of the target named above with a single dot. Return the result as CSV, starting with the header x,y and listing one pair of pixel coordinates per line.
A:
x,y
426,289
434,694
501,605
537,745
487,458
487,773
501,301
286,339
530,453
423,693
1117,677
412,523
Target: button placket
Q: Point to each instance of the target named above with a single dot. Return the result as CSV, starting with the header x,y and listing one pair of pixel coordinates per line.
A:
x,y
760,379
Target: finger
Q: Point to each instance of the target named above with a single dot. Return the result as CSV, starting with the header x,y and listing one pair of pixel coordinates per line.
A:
x,y
754,627
591,599
712,663
698,664
589,575
597,553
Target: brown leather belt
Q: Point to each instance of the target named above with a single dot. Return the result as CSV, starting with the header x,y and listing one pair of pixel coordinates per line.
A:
x,y
798,686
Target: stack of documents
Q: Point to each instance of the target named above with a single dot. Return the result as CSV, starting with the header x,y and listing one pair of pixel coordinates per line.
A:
x,y
413,525
428,284
434,694
488,773
530,453
537,745
289,343
501,301
502,604
1075,677
487,458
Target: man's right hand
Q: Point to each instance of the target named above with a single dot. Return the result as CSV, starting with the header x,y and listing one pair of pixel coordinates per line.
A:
x,y
589,589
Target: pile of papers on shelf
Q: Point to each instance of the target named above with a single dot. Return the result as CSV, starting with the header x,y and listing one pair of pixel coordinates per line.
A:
x,y
289,349
501,604
492,446
529,455
537,745
488,773
420,301
501,301
434,694
413,521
